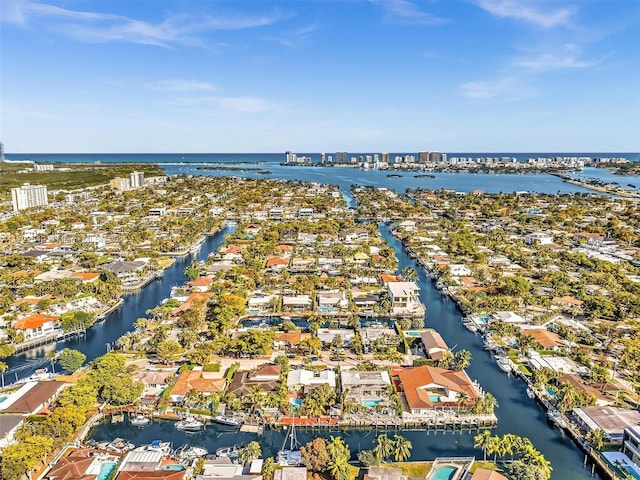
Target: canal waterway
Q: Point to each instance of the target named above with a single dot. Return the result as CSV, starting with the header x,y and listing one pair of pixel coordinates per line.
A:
x,y
517,413
103,334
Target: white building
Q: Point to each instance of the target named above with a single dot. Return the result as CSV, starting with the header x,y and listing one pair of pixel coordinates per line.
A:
x,y
28,196
136,179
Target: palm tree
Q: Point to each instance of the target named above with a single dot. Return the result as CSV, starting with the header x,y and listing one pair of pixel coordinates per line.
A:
x,y
250,452
3,368
51,356
596,438
384,447
401,448
339,468
483,441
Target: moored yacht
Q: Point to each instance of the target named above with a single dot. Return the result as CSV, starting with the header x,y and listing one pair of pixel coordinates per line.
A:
x,y
189,424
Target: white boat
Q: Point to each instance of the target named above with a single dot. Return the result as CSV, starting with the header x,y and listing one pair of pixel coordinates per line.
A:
x,y
555,417
504,364
230,421
232,451
530,393
290,455
189,424
469,325
187,452
140,421
156,446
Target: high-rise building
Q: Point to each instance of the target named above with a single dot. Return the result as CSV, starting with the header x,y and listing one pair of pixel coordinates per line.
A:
x,y
121,184
342,157
322,157
434,157
423,157
1,152
136,179
28,196
385,157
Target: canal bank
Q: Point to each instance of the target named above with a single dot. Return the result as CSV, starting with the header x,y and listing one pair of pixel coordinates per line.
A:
x,y
99,338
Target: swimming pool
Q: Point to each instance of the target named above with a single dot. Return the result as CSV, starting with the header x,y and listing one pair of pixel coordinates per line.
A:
x,y
371,403
295,402
326,309
434,398
105,470
447,472
412,333
173,467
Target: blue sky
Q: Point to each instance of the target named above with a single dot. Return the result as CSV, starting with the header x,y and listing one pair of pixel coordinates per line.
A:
x,y
319,75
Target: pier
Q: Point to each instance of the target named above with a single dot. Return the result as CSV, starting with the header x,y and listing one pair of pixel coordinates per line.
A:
x,y
50,338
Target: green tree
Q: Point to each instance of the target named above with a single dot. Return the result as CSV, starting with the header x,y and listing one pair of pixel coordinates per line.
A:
x,y
71,360
22,457
596,438
268,468
482,441
250,452
168,351
401,448
339,455
384,447
315,455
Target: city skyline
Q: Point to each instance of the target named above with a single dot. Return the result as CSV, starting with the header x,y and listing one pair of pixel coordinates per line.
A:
x,y
378,75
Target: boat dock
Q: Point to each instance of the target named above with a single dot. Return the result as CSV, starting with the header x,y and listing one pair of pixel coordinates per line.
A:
x,y
50,338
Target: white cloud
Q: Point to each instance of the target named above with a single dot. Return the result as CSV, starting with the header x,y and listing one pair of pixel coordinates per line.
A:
x,y
505,89
566,57
526,11
407,12
178,85
95,27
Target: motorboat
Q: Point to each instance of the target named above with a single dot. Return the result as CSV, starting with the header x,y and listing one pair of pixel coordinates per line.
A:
x,y
530,393
232,451
504,364
188,452
555,417
140,421
120,445
156,446
229,421
189,424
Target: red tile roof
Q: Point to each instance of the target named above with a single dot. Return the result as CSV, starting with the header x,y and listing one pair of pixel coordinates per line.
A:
x,y
152,475
414,381
192,380
36,320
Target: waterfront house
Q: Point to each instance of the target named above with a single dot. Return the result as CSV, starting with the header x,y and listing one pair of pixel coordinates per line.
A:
x,y
486,474
433,344
330,302
264,378
36,325
296,303
205,383
367,388
404,298
327,335
276,264
611,420
126,271
290,473
154,382
223,468
631,444
201,284
459,270
547,340
260,304
428,387
32,398
306,380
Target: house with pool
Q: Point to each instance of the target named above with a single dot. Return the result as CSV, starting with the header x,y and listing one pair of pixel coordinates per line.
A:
x,y
426,388
368,388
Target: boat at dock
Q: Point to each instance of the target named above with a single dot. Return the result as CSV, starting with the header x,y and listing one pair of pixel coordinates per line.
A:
x,y
140,420
229,421
504,364
555,417
231,451
187,452
190,424
530,393
290,454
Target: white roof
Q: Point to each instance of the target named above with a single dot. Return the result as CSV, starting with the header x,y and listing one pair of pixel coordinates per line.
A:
x,y
399,289
309,377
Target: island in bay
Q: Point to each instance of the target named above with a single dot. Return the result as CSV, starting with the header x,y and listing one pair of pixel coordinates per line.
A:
x,y
298,333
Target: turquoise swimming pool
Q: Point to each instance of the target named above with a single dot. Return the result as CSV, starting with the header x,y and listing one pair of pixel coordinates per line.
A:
x,y
296,402
412,333
434,398
446,472
173,467
371,403
105,470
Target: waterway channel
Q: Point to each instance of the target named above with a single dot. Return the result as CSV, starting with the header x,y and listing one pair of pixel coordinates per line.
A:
x,y
517,414
103,334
